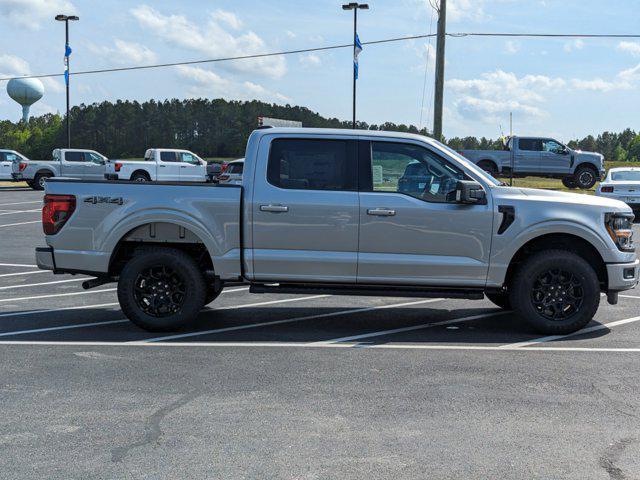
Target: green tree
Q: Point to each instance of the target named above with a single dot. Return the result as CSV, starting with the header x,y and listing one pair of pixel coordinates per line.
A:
x,y
634,149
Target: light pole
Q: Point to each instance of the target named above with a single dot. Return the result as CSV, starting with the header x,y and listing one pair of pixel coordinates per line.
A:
x,y
355,6
67,52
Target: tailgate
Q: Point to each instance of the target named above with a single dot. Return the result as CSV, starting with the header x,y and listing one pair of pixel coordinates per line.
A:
x,y
106,212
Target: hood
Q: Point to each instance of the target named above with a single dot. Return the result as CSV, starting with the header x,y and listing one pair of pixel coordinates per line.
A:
x,y
552,196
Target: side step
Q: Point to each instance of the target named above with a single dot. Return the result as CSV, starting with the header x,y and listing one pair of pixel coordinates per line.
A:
x,y
368,290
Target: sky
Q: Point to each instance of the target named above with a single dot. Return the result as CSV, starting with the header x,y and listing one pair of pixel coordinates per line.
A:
x,y
565,88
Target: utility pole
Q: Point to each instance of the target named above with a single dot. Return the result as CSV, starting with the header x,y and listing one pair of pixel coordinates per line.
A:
x,y
355,6
439,88
67,52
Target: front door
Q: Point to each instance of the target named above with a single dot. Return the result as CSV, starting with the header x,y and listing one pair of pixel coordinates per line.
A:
x,y
527,156
554,158
305,210
168,167
191,168
411,230
94,166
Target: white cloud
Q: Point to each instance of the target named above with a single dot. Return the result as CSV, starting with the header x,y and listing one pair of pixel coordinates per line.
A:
x,y
205,83
511,47
290,34
630,47
125,53
229,18
211,39
596,84
31,13
310,60
13,66
466,10
573,45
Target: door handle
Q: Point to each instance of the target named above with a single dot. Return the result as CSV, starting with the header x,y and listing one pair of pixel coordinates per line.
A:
x,y
162,166
274,208
381,212
183,166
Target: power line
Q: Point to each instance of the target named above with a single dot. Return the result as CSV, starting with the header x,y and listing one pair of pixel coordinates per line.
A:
x,y
329,47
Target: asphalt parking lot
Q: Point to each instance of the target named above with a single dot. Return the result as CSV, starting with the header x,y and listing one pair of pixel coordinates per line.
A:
x,y
303,387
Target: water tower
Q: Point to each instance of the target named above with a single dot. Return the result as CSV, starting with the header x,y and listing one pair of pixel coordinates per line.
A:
x,y
25,91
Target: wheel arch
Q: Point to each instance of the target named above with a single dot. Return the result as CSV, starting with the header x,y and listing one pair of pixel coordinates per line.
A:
x,y
140,171
491,161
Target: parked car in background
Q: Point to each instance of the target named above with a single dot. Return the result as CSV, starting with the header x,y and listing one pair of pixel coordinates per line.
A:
x,y
7,160
232,172
541,157
213,170
323,211
66,162
159,164
623,184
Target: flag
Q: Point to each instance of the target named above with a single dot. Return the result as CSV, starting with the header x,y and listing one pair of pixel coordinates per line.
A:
x,y
356,52
67,52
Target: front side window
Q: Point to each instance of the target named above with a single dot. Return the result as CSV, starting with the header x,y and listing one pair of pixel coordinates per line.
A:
x,y
189,158
74,156
552,146
94,157
12,157
413,170
312,164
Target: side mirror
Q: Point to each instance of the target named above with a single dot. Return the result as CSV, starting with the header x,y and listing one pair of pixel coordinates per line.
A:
x,y
470,192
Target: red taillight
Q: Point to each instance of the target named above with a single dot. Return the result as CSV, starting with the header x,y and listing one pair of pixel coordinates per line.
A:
x,y
22,166
606,189
224,167
117,166
56,211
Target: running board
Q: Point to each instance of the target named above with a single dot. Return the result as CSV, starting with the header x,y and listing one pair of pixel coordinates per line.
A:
x,y
368,290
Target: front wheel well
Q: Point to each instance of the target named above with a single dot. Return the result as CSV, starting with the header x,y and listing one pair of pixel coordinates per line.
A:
x,y
560,241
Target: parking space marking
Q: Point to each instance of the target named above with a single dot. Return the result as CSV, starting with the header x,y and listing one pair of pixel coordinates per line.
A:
x,y
12,212
409,329
280,322
21,223
16,274
628,296
388,346
19,203
51,310
16,265
24,285
551,338
56,295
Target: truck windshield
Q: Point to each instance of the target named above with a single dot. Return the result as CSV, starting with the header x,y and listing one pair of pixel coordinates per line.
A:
x,y
469,165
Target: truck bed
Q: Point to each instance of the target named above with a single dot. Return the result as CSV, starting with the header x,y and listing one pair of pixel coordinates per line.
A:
x,y
109,212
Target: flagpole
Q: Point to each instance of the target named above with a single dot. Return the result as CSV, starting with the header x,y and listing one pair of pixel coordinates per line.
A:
x,y
355,7
67,52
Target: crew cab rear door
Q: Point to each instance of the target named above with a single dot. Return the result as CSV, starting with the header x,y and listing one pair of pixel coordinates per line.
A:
x,y
168,166
411,230
305,209
72,164
527,156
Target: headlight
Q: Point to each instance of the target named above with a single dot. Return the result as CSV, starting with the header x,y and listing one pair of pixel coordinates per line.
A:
x,y
620,227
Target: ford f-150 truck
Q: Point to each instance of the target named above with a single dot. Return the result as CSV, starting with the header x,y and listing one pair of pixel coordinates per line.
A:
x,y
343,212
541,157
67,162
9,158
159,164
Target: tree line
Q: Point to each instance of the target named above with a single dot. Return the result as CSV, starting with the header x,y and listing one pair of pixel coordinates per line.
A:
x,y
218,128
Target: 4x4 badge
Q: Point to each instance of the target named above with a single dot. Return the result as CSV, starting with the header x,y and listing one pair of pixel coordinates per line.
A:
x,y
95,200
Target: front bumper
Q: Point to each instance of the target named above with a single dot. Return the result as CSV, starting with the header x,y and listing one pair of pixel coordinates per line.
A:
x,y
111,176
44,258
622,276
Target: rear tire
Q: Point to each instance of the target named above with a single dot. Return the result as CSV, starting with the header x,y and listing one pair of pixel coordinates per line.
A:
x,y
140,177
569,182
161,289
585,177
556,292
499,299
39,180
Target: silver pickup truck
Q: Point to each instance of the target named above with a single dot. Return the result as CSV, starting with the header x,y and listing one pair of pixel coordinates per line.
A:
x,y
343,212
541,157
66,162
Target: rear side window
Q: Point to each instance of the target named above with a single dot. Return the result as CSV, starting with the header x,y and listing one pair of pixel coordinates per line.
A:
x,y
530,144
74,156
168,157
312,164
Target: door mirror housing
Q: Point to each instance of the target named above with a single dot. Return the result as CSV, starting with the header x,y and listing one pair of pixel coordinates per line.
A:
x,y
470,192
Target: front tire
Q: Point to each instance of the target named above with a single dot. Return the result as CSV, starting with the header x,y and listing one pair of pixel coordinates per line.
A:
x,y
585,177
556,292
161,289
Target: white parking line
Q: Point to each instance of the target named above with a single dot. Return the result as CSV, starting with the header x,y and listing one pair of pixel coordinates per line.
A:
x,y
19,203
287,320
11,212
4,300
11,287
21,223
628,296
391,346
16,265
33,272
551,338
51,310
409,329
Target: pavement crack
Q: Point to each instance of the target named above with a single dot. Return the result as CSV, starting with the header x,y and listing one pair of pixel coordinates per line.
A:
x,y
152,430
610,458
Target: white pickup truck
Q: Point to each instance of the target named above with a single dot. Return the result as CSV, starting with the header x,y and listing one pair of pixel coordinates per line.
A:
x,y
159,164
7,160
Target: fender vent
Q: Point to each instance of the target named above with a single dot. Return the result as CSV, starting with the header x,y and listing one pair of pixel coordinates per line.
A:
x,y
508,217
